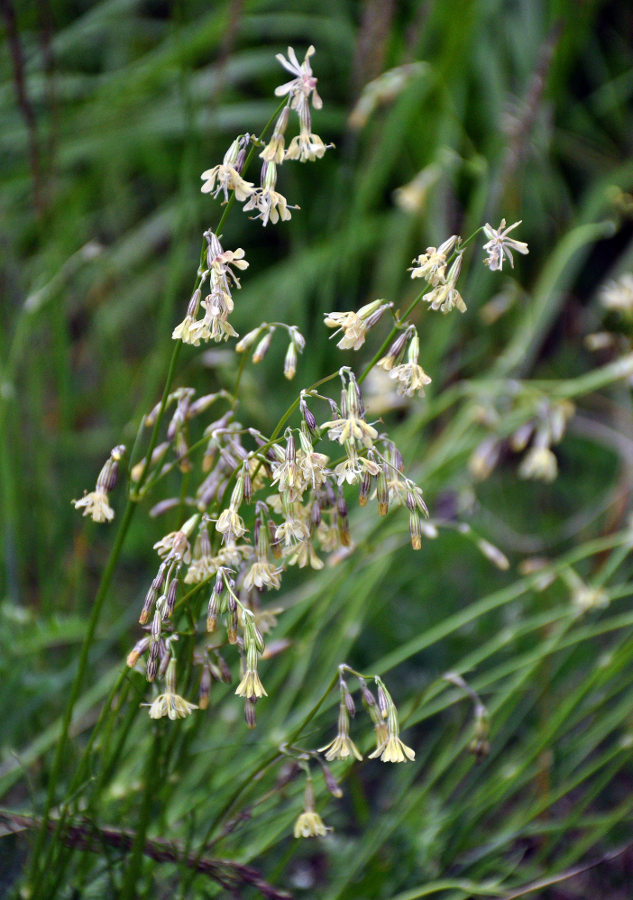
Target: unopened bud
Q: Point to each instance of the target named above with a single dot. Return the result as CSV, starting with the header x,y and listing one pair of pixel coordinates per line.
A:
x,y
212,612
137,650
231,626
384,701
249,713
170,598
225,672
290,362
350,706
365,487
249,339
382,492
263,346
308,417
330,782
415,530
205,687
167,668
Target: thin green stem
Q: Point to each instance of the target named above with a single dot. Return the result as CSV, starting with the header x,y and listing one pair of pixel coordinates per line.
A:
x,y
76,687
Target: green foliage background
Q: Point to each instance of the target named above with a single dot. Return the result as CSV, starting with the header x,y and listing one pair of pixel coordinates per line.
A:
x,y
109,111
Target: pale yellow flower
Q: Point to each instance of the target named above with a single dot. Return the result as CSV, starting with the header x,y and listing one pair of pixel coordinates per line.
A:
x,y
176,544
250,685
432,265
306,146
262,574
304,555
410,377
354,329
96,505
230,524
310,824
351,428
539,463
342,747
393,750
225,178
270,205
172,705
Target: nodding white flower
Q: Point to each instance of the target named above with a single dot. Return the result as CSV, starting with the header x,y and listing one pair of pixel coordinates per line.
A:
x,y
342,747
309,823
262,574
174,546
618,295
410,376
226,178
230,525
392,749
250,686
303,555
188,331
313,467
500,245
291,531
172,705
306,147
445,295
354,467
539,463
351,428
215,325
220,265
226,174
96,505
432,264
270,205
303,85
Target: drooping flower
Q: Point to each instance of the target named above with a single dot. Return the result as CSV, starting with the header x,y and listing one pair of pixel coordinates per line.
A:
x,y
539,463
432,265
225,177
342,747
95,504
251,686
410,376
172,705
262,574
271,206
309,823
392,749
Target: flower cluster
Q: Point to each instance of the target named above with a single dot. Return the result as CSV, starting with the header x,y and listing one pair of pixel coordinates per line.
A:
x,y
218,303
541,430
256,505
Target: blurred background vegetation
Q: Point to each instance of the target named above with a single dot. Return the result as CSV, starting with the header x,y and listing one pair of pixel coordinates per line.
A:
x,y
109,111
